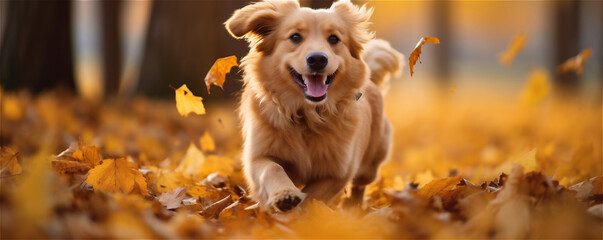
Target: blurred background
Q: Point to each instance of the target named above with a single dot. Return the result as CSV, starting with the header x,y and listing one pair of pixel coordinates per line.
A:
x,y
102,49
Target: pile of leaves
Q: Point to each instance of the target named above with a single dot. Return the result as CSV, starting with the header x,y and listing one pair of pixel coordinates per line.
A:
x,y
521,165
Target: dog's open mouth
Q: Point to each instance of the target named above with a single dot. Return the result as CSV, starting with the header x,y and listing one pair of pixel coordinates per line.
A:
x,y
315,85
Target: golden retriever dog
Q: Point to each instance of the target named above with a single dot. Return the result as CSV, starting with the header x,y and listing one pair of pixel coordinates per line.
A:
x,y
311,107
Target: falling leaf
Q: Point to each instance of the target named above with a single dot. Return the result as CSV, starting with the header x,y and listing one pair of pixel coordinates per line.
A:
x,y
207,143
173,199
186,102
414,56
506,58
114,175
537,87
453,89
575,64
9,162
217,73
12,108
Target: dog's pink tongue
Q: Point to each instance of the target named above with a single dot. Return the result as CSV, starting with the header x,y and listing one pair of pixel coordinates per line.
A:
x,y
316,85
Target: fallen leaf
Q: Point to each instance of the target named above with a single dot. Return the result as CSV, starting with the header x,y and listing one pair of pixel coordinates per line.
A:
x,y
506,58
77,159
9,162
119,174
597,186
414,56
186,102
575,64
192,162
439,186
173,199
217,73
207,143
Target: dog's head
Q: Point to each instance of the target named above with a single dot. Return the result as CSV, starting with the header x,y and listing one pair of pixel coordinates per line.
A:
x,y
304,55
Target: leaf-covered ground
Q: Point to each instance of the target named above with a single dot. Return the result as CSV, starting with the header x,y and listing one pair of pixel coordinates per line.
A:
x,y
464,164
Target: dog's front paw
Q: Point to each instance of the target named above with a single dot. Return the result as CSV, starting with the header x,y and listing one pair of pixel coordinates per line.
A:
x,y
286,200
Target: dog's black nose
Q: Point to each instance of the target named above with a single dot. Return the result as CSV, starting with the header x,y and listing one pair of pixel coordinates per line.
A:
x,y
317,61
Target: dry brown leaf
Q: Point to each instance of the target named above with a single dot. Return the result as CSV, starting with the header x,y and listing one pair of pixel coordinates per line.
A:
x,y
217,73
207,143
9,162
597,186
414,56
439,186
506,58
575,64
77,159
187,103
173,199
115,175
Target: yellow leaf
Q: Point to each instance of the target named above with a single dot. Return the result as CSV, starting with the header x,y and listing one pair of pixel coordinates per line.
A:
x,y
115,175
186,102
576,63
439,186
537,87
207,143
192,162
219,164
39,192
453,89
506,57
217,73
414,56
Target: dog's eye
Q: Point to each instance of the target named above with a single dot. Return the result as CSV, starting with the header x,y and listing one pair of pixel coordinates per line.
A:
x,y
333,39
296,38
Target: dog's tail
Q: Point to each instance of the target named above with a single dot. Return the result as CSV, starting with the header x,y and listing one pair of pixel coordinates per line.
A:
x,y
383,61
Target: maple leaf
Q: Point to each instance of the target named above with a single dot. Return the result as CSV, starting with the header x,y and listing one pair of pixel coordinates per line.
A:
x,y
414,56
576,63
207,143
217,72
186,102
506,57
119,174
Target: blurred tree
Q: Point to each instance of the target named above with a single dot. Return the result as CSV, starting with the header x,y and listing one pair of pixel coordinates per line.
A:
x,y
567,37
111,45
442,28
183,41
36,45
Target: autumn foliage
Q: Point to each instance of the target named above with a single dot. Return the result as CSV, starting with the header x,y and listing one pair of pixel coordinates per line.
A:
x,y
520,165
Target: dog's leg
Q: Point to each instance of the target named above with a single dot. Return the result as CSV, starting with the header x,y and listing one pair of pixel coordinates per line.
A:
x,y
273,187
324,189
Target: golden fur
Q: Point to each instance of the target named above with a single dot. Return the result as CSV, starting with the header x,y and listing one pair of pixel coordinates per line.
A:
x,y
291,141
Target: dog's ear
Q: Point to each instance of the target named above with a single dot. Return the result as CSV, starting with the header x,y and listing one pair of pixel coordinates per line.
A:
x,y
258,20
358,20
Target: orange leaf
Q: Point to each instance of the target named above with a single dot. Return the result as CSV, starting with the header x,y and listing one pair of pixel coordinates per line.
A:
x,y
186,102
439,186
9,162
506,57
576,63
414,56
217,73
117,175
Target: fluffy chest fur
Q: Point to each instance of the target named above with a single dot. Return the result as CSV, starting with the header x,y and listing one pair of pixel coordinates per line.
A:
x,y
311,142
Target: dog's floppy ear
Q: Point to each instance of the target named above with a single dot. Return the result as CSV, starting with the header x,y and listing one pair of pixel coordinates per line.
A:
x,y
358,20
258,20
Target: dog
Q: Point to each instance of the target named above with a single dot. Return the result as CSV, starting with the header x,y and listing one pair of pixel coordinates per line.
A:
x,y
311,105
